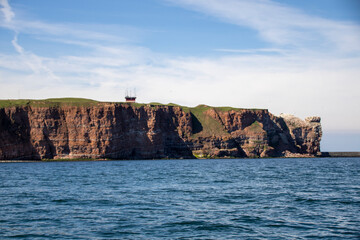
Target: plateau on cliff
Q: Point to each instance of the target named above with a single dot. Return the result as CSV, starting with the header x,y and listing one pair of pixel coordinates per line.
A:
x,y
69,128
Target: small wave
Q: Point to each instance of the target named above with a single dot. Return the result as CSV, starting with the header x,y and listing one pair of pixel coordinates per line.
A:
x,y
225,201
60,200
247,219
222,181
287,225
349,202
214,227
308,200
188,223
29,236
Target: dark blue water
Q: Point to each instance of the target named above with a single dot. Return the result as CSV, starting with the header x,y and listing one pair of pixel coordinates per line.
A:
x,y
185,199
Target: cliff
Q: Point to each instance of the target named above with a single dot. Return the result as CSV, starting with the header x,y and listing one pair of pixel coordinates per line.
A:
x,y
70,128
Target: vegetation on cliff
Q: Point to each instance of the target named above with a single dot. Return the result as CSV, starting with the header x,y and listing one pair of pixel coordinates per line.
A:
x,y
50,102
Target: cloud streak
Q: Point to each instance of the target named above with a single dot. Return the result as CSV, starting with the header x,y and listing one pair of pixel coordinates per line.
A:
x,y
8,14
29,59
280,24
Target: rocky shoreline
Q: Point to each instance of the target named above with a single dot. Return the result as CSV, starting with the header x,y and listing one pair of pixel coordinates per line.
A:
x,y
320,155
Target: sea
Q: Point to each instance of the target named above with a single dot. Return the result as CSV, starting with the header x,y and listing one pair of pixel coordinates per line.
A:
x,y
305,198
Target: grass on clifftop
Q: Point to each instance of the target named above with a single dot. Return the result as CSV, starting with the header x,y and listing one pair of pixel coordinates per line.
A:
x,y
50,102
86,102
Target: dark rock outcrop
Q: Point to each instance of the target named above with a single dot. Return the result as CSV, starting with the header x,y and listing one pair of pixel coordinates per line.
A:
x,y
125,131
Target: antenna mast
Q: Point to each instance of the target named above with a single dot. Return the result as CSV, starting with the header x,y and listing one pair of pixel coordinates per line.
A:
x,y
130,96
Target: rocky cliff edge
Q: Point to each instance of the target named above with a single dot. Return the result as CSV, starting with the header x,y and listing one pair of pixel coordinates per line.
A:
x,y
57,129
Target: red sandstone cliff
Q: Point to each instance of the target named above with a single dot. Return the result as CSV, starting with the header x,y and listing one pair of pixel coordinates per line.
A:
x,y
124,131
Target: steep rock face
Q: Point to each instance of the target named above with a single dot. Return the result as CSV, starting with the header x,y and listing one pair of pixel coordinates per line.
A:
x,y
111,131
124,131
306,134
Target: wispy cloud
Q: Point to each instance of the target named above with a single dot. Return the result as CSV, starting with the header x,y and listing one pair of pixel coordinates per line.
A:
x,y
29,59
253,51
280,24
17,47
34,62
8,14
87,32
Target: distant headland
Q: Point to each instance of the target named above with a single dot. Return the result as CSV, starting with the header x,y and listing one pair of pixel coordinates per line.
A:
x,y
73,128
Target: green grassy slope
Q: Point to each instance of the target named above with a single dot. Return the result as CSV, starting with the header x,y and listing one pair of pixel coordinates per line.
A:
x,y
205,125
84,101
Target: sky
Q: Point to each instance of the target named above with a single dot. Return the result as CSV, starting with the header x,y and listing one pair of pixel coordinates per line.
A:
x,y
295,57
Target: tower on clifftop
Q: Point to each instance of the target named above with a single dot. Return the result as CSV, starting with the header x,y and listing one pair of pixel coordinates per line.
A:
x,y
130,96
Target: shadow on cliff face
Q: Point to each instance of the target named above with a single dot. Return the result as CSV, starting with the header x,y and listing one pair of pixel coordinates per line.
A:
x,y
196,124
280,138
15,141
47,143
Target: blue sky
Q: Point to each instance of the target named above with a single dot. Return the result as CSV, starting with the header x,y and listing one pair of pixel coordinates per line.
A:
x,y
297,57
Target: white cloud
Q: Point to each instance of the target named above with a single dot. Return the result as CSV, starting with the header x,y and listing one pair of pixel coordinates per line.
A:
x,y
17,47
8,14
253,51
280,83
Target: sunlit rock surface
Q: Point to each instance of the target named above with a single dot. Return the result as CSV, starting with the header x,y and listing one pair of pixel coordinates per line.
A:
x,y
145,131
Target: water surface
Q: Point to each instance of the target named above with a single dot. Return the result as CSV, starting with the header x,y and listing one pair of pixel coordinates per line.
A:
x,y
182,199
